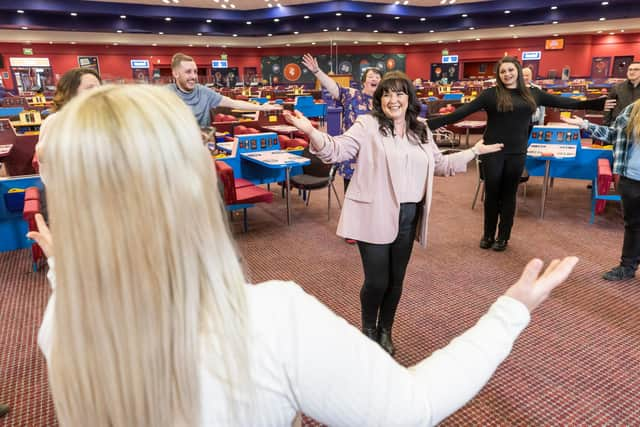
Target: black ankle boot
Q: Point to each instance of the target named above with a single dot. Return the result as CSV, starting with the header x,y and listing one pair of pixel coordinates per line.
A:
x,y
371,333
386,342
486,242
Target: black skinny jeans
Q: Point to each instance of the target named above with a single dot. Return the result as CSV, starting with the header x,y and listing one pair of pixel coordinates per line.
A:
x,y
630,194
384,269
501,174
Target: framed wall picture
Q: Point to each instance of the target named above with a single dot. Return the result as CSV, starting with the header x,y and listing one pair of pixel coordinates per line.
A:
x,y
600,67
620,65
89,62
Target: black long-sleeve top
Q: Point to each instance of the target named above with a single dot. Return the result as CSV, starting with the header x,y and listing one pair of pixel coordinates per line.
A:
x,y
511,128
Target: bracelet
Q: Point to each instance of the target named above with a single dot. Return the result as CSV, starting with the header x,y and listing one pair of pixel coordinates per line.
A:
x,y
316,71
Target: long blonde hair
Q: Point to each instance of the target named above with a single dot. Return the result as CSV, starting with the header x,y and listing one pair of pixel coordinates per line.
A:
x,y
633,126
148,283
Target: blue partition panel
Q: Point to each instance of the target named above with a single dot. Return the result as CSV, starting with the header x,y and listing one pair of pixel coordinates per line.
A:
x,y
12,227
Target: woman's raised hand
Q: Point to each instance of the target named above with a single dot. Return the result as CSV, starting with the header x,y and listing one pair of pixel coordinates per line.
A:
x,y
298,120
575,120
481,148
311,63
533,288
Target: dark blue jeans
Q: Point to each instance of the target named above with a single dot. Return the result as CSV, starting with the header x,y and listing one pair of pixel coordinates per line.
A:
x,y
630,193
384,269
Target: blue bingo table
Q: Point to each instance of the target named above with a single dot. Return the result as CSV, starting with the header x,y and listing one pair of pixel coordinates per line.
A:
x,y
557,152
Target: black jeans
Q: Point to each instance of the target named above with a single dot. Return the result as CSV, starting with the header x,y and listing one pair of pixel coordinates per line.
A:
x,y
630,193
501,178
384,269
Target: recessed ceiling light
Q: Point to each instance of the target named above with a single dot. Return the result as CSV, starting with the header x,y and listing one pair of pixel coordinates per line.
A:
x,y
406,2
313,43
432,31
379,42
118,31
338,14
233,6
288,44
356,42
368,15
269,35
190,45
604,3
73,14
507,12
168,18
154,44
20,11
554,22
259,47
400,32
50,42
611,33
235,35
337,28
622,31
600,32
555,35
306,16
296,32
397,2
166,1
269,4
224,46
161,33
176,1
123,16
375,31
511,25
349,30
406,44
439,41
464,15
199,34
458,40
279,5
423,19
554,7
325,30
248,22
276,19
515,37
73,42
208,21
603,19
396,17
224,6
25,28
452,1
472,28
207,45
477,39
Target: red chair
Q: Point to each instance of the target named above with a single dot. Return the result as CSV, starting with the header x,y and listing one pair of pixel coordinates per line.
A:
x,y
32,207
240,193
252,130
240,130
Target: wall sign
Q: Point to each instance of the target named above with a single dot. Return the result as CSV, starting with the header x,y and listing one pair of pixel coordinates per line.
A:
x,y
89,62
27,51
450,59
29,62
531,56
219,63
139,63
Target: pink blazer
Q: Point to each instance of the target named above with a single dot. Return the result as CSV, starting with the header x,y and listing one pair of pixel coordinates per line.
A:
x,y
371,210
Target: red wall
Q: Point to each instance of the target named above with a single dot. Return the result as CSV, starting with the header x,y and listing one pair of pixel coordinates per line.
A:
x,y
114,60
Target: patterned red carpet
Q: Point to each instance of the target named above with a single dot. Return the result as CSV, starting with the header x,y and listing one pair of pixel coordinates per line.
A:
x,y
576,364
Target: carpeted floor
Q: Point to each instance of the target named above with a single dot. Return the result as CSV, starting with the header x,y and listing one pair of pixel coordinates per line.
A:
x,y
576,364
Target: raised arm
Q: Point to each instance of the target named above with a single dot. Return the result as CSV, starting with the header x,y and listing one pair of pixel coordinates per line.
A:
x,y
550,100
244,105
460,113
334,149
327,82
342,378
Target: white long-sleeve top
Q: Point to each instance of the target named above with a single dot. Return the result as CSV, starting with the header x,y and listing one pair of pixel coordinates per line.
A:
x,y
305,358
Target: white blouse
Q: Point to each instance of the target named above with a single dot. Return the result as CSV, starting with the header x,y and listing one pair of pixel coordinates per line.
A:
x,y
408,164
305,358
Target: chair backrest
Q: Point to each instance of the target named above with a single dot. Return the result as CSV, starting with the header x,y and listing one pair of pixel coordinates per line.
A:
x,y
317,167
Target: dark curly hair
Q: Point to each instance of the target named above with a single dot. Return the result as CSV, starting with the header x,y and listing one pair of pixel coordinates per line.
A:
x,y
68,84
396,81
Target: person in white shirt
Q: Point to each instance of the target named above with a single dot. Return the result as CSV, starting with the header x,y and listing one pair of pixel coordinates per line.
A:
x,y
537,118
151,321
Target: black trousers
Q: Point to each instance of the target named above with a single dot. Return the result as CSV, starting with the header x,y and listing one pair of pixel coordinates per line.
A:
x,y
501,178
630,194
384,269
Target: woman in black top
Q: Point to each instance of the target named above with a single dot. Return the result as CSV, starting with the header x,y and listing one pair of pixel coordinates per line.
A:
x,y
509,106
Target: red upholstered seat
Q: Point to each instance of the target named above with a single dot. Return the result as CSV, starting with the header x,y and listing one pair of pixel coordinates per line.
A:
x,y
240,130
253,194
241,182
32,207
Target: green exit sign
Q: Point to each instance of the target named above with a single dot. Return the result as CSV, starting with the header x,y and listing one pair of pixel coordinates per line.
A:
x,y
223,56
445,52
27,51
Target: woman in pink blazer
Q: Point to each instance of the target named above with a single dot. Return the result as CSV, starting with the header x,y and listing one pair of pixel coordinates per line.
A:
x,y
387,204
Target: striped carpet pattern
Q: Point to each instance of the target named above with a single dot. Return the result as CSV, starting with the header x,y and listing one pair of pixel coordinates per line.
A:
x,y
576,364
